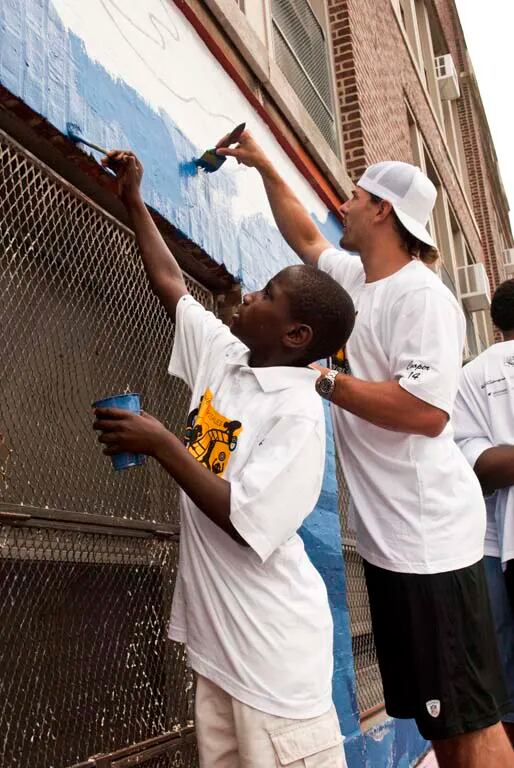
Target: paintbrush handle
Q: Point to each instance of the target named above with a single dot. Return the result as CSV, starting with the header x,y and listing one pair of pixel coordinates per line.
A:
x,y
93,145
233,136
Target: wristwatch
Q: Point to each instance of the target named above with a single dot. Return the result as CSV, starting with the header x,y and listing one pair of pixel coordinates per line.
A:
x,y
326,384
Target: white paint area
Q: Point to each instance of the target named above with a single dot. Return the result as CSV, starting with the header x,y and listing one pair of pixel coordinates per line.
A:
x,y
151,47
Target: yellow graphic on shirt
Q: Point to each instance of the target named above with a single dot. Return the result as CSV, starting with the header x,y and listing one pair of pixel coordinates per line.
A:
x,y
211,437
340,361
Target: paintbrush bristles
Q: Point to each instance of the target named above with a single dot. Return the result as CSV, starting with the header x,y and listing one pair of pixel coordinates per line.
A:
x,y
210,161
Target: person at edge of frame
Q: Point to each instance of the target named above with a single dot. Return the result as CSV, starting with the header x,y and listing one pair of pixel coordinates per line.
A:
x,y
249,605
484,430
417,506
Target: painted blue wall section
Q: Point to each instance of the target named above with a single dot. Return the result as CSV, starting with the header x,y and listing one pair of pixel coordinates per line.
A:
x,y
395,743
321,533
46,66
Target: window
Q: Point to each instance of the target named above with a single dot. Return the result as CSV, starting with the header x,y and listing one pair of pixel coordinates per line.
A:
x,y
432,45
484,329
440,227
302,52
435,66
450,241
476,331
471,338
406,10
416,140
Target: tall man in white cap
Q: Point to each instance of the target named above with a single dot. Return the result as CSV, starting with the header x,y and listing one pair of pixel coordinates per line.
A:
x,y
418,508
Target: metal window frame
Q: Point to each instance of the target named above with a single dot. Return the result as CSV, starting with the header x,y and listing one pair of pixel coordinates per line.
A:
x,y
331,110
298,61
138,754
23,516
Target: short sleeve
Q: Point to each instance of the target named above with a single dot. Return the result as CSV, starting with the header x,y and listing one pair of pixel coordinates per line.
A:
x,y
344,267
473,448
427,339
280,484
470,422
195,328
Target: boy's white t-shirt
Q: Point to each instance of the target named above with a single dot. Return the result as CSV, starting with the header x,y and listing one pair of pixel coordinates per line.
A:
x,y
417,504
255,620
483,418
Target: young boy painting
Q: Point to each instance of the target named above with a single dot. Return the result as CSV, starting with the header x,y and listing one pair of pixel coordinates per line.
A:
x,y
248,603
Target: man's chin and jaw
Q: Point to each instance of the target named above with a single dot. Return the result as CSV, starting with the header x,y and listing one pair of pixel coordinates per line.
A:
x,y
347,243
350,241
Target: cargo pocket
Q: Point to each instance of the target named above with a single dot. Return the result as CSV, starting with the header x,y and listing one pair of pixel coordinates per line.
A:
x,y
313,743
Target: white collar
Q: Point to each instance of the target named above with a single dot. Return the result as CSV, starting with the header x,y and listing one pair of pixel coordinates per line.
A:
x,y
284,376
275,377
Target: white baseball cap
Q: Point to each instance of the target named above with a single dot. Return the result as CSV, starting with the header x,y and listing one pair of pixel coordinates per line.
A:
x,y
409,191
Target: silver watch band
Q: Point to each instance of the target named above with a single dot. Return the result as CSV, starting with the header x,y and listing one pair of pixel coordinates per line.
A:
x,y
326,384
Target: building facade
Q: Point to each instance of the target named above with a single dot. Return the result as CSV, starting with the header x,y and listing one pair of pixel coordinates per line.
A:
x,y
407,90
327,87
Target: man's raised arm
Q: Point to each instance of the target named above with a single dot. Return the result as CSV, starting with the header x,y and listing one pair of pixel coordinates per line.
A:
x,y
164,274
291,217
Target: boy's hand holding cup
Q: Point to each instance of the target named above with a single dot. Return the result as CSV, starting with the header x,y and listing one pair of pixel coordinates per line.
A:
x,y
128,433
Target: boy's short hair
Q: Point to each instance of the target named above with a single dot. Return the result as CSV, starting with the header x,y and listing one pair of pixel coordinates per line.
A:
x,y
502,306
317,300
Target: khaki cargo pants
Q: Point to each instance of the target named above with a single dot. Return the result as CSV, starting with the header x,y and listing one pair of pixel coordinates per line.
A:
x,y
234,735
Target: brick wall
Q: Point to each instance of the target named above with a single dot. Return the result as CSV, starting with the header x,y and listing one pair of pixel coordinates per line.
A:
x,y
489,202
375,77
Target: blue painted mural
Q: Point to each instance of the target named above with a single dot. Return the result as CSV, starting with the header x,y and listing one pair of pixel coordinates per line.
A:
x,y
226,214
141,78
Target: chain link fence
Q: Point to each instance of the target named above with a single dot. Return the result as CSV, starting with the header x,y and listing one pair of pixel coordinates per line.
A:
x,y
88,556
370,695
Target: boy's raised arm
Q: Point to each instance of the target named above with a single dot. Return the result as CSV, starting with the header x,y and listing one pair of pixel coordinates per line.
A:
x,y
164,274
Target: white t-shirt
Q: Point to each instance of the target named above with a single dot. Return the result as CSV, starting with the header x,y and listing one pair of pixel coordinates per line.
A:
x,y
417,504
256,620
484,418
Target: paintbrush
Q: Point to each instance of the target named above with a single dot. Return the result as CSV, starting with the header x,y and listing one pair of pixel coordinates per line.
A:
x,y
73,131
210,161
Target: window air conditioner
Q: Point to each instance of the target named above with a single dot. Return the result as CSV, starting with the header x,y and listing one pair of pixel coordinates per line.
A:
x,y
475,290
447,77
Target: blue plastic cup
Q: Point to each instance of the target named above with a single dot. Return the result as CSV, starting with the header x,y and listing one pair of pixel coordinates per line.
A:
x,y
129,402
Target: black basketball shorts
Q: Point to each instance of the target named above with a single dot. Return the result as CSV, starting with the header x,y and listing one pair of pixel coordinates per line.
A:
x,y
437,649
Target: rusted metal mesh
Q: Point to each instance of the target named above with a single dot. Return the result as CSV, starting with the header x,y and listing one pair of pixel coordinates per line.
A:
x,y
85,664
85,667
77,322
369,684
